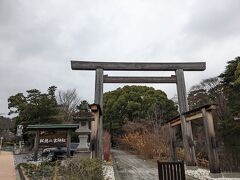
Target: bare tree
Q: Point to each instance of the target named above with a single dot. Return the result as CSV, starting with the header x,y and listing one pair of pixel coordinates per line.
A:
x,y
68,100
210,90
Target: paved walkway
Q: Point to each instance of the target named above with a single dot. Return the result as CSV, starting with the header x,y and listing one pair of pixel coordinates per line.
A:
x,y
7,167
131,167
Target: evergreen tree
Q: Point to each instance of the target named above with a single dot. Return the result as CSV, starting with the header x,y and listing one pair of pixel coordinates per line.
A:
x,y
136,104
35,108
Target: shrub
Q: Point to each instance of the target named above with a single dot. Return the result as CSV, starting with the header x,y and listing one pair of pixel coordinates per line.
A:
x,y
180,153
8,143
81,168
71,169
41,171
146,142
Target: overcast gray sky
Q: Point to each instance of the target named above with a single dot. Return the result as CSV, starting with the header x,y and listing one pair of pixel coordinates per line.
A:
x,y
39,38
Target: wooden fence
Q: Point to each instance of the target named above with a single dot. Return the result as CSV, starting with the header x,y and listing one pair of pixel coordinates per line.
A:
x,y
171,170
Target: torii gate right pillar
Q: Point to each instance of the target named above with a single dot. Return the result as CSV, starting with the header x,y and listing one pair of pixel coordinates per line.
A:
x,y
188,144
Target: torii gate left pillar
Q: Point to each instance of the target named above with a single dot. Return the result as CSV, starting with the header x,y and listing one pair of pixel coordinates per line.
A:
x,y
99,100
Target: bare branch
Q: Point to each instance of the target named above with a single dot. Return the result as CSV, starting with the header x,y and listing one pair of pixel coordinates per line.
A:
x,y
68,100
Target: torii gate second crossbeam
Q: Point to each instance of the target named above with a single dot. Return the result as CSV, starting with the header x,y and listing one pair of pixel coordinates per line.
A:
x,y
178,78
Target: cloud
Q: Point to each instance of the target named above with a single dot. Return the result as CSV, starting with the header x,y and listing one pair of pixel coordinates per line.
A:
x,y
39,38
211,23
214,20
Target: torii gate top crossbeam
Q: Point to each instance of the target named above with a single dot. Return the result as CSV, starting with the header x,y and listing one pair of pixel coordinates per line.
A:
x,y
134,66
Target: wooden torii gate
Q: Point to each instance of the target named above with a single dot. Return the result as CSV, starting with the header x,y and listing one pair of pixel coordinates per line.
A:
x,y
204,113
178,78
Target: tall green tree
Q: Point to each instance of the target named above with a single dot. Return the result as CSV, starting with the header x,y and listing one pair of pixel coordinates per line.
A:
x,y
83,106
35,107
136,104
231,80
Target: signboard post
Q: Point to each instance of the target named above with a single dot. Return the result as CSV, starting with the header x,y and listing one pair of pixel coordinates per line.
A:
x,y
52,135
1,140
19,130
19,136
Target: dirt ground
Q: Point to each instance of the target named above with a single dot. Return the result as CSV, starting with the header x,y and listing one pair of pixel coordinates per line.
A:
x,y
7,167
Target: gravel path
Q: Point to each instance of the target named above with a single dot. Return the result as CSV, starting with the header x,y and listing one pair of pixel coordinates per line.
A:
x,y
131,167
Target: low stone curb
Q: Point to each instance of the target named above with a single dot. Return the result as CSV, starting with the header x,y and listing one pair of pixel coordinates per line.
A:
x,y
22,173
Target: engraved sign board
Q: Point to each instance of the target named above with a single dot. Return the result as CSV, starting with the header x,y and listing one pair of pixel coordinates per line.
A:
x,y
53,139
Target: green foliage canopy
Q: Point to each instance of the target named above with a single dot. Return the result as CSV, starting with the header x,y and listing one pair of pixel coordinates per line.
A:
x,y
35,107
137,104
231,80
